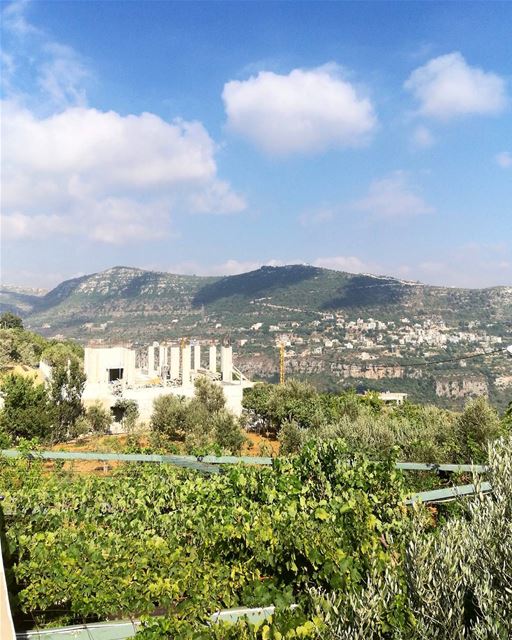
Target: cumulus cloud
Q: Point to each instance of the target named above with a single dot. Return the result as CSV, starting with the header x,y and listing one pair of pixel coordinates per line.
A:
x,y
504,159
116,177
447,87
392,197
306,111
75,170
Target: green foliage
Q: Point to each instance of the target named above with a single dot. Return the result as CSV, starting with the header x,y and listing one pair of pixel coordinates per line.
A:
x,y
209,395
27,411
48,413
5,438
165,538
420,433
452,583
9,320
65,392
314,530
460,579
227,432
60,353
19,346
202,423
99,418
170,417
475,427
285,624
506,420
271,406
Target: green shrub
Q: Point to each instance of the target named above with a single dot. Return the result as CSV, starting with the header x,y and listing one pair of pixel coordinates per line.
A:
x,y
27,412
475,428
99,418
203,423
453,582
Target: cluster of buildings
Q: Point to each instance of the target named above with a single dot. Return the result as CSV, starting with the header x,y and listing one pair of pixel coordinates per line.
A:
x,y
331,331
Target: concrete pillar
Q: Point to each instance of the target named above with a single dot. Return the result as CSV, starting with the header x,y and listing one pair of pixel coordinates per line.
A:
x,y
174,365
213,359
129,367
151,361
162,360
226,363
185,365
197,357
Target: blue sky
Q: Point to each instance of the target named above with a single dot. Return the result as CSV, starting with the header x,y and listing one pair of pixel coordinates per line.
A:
x,y
214,137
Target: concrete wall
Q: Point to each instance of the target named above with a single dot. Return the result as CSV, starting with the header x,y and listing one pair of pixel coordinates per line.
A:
x,y
144,397
98,361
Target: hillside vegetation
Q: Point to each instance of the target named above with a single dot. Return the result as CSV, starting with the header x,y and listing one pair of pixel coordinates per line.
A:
x,y
341,329
131,294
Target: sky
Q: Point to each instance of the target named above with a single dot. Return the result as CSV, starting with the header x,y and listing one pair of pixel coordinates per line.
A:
x,y
215,137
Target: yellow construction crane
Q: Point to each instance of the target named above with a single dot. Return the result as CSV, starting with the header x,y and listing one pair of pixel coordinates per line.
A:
x,y
183,344
281,363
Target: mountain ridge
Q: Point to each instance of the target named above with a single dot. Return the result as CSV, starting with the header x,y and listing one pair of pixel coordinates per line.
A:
x,y
303,288
339,328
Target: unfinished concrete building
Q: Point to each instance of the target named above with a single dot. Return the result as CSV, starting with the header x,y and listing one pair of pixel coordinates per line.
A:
x,y
160,369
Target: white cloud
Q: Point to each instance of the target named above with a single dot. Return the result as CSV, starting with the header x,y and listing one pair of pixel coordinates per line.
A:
x,y
14,20
392,197
447,86
231,267
55,73
422,137
472,265
18,225
352,264
228,268
112,177
74,170
62,75
504,159
306,111
218,197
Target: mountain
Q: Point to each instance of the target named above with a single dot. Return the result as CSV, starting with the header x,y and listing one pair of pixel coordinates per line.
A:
x,y
355,329
20,300
128,297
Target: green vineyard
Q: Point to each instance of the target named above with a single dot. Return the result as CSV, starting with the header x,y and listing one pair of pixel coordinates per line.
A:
x,y
169,546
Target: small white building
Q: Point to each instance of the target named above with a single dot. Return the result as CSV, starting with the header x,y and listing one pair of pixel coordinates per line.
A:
x,y
389,397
